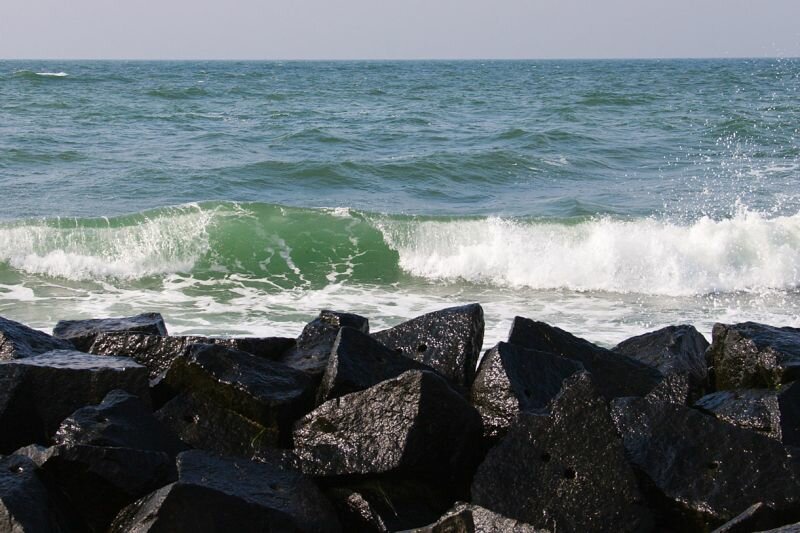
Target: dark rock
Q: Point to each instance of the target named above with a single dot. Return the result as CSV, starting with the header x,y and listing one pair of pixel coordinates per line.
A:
x,y
120,420
511,379
414,423
672,350
24,501
355,511
565,471
202,424
38,392
269,393
357,362
157,352
674,388
469,518
751,355
449,341
757,517
215,493
97,481
698,471
81,333
613,374
18,341
313,347
774,413
791,528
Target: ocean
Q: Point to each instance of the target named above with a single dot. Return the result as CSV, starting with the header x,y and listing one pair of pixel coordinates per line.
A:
x,y
607,198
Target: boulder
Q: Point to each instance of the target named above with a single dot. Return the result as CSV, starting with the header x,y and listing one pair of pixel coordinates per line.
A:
x,y
470,518
413,424
511,379
613,374
18,341
97,481
449,341
672,350
266,392
82,333
355,512
38,392
215,493
751,355
25,504
701,472
121,420
757,517
313,347
564,471
357,362
774,413
157,352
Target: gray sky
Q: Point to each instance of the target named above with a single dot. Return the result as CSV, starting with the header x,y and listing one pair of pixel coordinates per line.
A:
x,y
400,29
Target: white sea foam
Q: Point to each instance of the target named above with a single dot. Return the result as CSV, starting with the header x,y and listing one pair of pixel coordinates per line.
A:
x,y
647,256
53,74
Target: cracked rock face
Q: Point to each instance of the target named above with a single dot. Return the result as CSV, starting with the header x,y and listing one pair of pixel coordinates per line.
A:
x,y
563,471
415,423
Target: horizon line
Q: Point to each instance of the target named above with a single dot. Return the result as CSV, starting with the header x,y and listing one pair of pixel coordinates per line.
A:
x,y
386,60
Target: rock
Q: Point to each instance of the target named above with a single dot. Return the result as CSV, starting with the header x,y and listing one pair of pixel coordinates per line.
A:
x,y
511,379
564,471
672,350
774,413
38,392
469,518
266,392
24,501
613,374
449,341
98,481
120,420
674,388
157,352
701,472
82,333
751,355
791,528
313,346
414,424
215,493
357,362
757,517
202,424
355,511
18,341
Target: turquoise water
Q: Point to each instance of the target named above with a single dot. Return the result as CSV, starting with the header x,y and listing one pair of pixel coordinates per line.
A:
x,y
605,197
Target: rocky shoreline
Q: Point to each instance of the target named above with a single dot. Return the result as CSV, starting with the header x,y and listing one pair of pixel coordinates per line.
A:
x,y
114,425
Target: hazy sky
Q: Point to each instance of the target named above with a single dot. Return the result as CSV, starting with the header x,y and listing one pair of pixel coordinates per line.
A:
x,y
376,29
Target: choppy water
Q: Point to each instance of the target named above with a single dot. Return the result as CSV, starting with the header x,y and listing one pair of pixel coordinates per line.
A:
x,y
605,197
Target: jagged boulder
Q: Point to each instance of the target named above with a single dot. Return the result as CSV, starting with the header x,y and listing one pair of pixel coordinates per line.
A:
x,y
413,424
157,352
701,472
215,493
313,346
672,350
752,355
121,420
18,341
449,341
774,413
512,379
267,392
25,504
82,333
357,362
38,392
564,471
470,518
613,374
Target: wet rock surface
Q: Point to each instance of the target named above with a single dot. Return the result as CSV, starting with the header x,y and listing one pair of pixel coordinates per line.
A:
x,y
82,333
18,341
512,379
449,341
25,504
752,355
614,375
313,346
469,518
565,470
415,423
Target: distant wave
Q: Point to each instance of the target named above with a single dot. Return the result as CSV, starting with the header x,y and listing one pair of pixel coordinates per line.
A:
x,y
31,75
286,247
